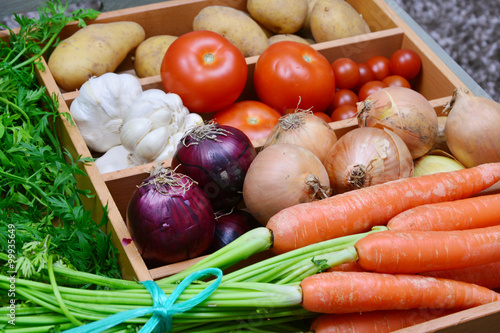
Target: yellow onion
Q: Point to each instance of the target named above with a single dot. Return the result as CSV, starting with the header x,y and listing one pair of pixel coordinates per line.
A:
x,y
440,141
367,156
434,162
280,176
473,129
404,111
304,129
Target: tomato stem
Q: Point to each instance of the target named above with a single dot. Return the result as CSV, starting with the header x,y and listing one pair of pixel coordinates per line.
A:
x,y
306,58
208,58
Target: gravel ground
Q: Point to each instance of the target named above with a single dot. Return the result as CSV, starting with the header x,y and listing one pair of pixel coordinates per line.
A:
x,y
469,31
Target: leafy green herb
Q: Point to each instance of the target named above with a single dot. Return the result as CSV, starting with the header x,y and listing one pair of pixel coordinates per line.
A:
x,y
40,202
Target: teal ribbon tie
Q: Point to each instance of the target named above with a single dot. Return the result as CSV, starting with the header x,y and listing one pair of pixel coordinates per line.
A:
x,y
163,307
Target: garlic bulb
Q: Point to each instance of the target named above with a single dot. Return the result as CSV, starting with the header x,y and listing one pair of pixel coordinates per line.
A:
x,y
116,158
98,109
153,125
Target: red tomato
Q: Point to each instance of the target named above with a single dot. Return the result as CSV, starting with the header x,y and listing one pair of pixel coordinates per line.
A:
x,y
343,97
344,112
369,88
396,81
346,73
290,74
205,69
406,63
323,116
379,66
253,118
365,75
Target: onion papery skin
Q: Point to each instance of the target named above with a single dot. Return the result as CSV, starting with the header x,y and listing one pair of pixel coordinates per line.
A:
x,y
304,129
231,226
367,156
473,129
283,175
404,111
217,164
169,224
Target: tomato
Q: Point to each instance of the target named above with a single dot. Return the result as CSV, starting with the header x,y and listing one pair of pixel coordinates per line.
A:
x,y
253,118
406,63
365,75
343,97
369,88
379,66
290,74
205,69
346,73
344,112
396,81
323,116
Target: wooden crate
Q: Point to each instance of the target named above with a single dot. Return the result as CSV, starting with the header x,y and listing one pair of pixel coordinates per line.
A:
x,y
113,190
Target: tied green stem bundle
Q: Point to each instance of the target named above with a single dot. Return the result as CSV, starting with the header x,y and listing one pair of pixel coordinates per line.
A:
x,y
261,297
41,207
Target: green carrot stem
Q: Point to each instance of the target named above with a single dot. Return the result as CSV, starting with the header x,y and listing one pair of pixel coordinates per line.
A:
x,y
58,295
255,241
38,329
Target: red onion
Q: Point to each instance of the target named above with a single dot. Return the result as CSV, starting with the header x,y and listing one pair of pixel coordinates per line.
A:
x,y
217,157
170,218
232,225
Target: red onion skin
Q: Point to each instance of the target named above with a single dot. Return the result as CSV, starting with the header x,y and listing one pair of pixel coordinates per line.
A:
x,y
218,167
231,226
170,228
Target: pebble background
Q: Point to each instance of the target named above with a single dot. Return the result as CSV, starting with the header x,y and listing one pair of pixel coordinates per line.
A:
x,y
469,31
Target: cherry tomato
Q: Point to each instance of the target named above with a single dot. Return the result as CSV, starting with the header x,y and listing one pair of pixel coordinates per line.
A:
x,y
253,118
205,69
365,75
369,88
346,73
396,81
290,74
343,97
344,112
379,66
323,116
406,63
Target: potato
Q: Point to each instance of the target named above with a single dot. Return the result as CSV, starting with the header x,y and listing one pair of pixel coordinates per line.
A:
x,y
237,26
292,37
306,27
149,55
92,51
335,19
279,16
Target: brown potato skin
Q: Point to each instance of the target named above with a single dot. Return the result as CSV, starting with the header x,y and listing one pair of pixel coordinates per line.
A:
x,y
236,25
149,55
335,19
92,51
279,16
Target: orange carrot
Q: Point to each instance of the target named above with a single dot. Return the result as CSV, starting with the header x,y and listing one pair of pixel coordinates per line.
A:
x,y
487,275
348,292
382,321
359,210
415,251
476,212
346,267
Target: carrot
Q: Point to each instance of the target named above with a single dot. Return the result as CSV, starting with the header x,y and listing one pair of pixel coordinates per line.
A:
x,y
348,292
382,321
487,275
359,210
415,251
475,212
346,267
